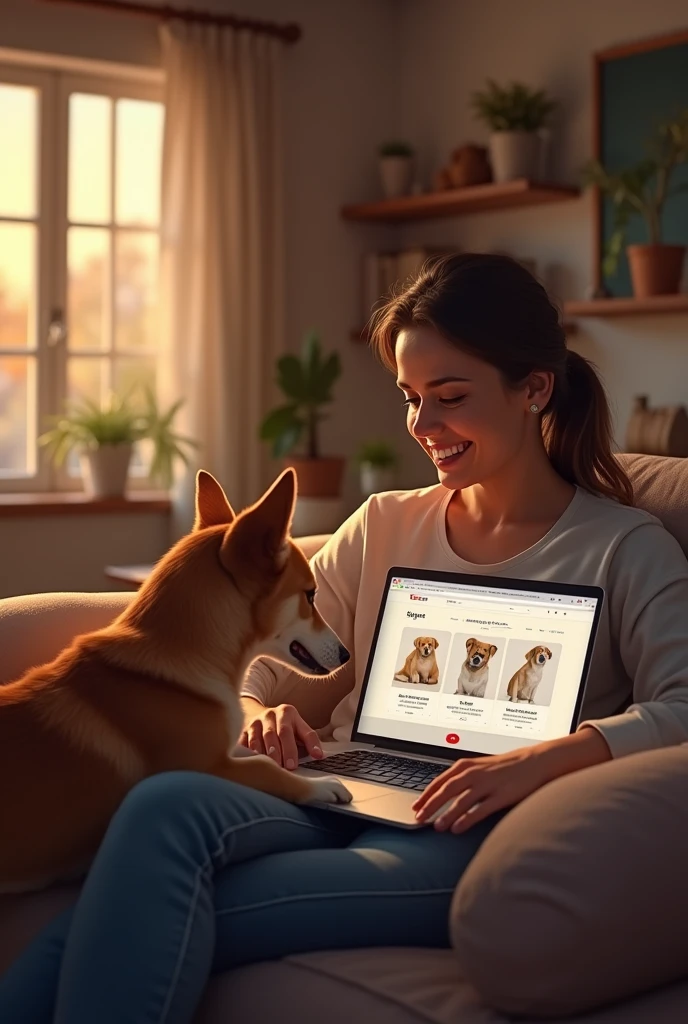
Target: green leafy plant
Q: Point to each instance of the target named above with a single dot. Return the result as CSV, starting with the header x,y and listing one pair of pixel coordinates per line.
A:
x,y
396,148
307,383
513,108
120,420
644,188
380,454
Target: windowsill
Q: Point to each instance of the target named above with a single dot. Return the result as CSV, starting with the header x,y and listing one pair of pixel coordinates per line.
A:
x,y
57,503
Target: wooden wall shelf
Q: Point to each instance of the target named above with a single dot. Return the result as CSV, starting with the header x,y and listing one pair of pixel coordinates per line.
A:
x,y
458,201
628,307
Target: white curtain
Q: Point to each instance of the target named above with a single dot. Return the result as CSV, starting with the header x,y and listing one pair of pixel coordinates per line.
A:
x,y
221,250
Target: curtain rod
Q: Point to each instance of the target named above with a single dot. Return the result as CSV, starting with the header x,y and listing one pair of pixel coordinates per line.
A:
x,y
290,33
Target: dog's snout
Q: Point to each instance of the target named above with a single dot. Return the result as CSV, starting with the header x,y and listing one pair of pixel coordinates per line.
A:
x,y
476,660
344,655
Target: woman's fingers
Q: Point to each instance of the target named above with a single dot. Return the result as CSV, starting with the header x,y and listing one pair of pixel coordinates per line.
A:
x,y
255,736
457,788
308,737
437,785
271,741
462,805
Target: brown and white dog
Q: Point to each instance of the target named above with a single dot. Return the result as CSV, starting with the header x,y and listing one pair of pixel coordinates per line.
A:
x,y
475,671
524,683
158,689
421,665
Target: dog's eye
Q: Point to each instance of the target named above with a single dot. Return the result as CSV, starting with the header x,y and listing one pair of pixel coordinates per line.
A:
x,y
310,596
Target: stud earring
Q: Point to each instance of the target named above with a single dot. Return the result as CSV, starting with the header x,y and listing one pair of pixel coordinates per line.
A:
x,y
535,408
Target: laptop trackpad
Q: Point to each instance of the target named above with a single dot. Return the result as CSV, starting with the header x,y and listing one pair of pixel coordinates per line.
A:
x,y
383,802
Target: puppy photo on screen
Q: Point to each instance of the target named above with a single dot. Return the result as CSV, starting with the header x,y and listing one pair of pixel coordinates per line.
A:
x,y
421,664
421,659
524,683
529,675
475,670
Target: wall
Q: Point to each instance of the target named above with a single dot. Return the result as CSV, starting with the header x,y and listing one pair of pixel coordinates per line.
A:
x,y
452,48
69,552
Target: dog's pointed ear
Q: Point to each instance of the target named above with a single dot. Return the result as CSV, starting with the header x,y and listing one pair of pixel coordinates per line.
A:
x,y
493,650
262,530
212,507
469,643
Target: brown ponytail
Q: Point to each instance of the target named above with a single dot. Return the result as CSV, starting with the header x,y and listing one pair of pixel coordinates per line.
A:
x,y
577,432
493,308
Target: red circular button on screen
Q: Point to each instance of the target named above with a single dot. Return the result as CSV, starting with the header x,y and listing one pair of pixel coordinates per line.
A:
x,y
451,737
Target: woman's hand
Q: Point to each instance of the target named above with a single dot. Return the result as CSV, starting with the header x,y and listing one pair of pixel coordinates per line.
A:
x,y
480,786
276,732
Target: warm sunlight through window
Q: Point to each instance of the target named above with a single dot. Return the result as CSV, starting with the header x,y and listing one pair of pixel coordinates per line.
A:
x,y
86,259
19,114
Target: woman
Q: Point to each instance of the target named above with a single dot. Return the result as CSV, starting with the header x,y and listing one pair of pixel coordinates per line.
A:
x,y
197,874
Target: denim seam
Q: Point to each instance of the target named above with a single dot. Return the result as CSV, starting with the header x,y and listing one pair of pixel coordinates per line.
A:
x,y
194,898
334,895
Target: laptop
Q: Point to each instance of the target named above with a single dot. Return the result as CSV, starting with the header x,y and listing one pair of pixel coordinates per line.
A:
x,y
459,666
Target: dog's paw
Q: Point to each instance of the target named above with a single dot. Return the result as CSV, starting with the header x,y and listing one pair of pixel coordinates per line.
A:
x,y
327,791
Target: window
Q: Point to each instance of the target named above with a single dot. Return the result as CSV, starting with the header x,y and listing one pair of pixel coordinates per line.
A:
x,y
79,245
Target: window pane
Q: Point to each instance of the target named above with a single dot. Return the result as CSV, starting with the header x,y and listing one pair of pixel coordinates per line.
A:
x,y
138,155
87,378
19,121
89,176
132,375
17,416
136,290
17,285
88,287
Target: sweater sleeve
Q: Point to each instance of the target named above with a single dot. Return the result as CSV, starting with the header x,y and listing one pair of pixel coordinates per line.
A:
x,y
337,570
647,593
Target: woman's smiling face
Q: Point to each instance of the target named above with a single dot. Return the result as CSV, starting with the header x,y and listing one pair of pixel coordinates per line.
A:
x,y
460,410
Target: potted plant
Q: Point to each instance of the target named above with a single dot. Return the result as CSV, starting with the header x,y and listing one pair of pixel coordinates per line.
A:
x,y
306,382
644,190
376,460
516,116
104,436
396,169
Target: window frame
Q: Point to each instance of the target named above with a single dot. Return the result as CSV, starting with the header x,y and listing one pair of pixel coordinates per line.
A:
x,y
55,84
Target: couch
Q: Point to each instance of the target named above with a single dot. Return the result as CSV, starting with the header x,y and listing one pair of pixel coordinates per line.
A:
x,y
575,907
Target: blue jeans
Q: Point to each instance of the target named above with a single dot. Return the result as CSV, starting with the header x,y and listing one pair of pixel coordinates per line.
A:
x,y
197,875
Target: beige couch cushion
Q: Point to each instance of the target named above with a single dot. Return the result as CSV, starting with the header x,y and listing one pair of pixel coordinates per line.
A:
x,y
580,894
661,487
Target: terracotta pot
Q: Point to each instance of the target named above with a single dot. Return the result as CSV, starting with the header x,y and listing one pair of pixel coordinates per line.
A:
x,y
317,478
655,269
105,470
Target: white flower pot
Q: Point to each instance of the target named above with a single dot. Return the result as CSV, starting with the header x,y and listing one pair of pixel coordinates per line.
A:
x,y
317,515
396,173
515,155
105,470
375,479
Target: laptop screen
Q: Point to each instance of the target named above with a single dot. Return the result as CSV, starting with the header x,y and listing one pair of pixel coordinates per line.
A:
x,y
474,664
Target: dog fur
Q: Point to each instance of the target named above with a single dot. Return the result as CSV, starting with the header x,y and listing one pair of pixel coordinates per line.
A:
x,y
475,671
421,665
158,689
524,683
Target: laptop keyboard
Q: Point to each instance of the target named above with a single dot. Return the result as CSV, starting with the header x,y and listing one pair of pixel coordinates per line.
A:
x,y
404,772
